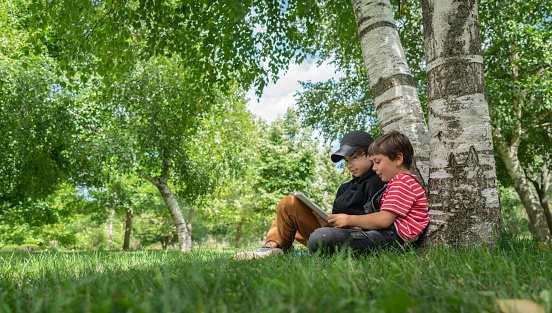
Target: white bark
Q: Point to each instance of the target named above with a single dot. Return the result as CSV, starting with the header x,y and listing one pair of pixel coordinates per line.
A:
x,y
464,198
184,238
540,219
538,224
396,99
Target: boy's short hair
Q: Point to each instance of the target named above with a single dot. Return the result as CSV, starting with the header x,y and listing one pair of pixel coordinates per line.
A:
x,y
361,150
391,144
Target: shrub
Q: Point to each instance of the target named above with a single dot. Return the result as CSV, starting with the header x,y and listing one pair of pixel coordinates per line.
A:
x,y
23,247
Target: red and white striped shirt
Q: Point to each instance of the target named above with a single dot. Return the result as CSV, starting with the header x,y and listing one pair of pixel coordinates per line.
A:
x,y
406,197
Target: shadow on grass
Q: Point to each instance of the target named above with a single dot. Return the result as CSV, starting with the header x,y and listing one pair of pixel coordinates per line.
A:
x,y
437,279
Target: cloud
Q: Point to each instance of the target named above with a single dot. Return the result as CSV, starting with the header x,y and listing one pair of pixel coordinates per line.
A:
x,y
278,97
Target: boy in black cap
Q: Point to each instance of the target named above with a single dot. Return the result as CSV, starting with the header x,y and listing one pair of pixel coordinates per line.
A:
x,y
397,215
295,221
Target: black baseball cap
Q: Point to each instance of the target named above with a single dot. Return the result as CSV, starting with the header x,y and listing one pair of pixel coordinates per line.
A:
x,y
350,142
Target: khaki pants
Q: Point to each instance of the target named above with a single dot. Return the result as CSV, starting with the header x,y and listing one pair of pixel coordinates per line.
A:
x,y
294,221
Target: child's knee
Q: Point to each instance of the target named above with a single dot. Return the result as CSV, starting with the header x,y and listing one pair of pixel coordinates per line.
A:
x,y
321,238
291,205
286,201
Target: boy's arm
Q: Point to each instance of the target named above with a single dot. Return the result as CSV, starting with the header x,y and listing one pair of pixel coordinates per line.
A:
x,y
378,220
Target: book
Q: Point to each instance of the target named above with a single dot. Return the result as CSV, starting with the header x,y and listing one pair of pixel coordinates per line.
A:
x,y
301,196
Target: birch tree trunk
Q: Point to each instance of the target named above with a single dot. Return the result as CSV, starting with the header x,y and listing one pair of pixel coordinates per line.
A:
x,y
538,223
542,188
464,201
540,219
184,238
396,99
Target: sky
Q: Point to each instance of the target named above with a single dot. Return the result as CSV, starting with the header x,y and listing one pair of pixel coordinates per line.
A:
x,y
278,97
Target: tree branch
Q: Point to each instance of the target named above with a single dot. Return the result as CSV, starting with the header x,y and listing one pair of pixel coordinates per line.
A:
x,y
535,122
101,19
146,176
167,167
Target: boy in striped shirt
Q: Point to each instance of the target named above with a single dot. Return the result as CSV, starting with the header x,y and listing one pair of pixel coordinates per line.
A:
x,y
404,200
399,217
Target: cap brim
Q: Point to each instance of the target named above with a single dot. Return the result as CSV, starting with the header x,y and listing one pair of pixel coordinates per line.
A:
x,y
344,150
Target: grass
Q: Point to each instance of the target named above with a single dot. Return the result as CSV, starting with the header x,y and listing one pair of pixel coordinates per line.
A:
x,y
436,280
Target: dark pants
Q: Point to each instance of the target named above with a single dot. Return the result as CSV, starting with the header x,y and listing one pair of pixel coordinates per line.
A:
x,y
329,239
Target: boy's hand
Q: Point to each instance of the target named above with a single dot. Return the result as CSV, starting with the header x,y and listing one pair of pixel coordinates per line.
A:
x,y
339,220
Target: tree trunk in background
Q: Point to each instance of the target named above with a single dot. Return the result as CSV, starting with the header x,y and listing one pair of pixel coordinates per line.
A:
x,y
507,149
538,224
190,219
111,226
395,97
542,188
464,199
238,233
184,238
170,235
128,228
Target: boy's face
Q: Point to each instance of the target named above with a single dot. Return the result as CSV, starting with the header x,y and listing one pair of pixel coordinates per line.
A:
x,y
358,163
387,168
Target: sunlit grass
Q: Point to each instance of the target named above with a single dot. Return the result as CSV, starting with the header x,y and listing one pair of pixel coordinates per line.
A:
x,y
436,280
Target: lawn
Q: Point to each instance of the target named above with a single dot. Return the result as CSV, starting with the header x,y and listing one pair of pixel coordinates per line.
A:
x,y
440,279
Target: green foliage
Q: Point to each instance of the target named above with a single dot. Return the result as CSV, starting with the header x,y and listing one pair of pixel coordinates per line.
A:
x,y
518,60
153,226
337,107
273,161
340,105
29,221
287,158
34,117
149,281
24,247
513,216
217,41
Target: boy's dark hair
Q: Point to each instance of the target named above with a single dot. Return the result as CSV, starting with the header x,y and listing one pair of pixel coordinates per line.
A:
x,y
391,144
360,150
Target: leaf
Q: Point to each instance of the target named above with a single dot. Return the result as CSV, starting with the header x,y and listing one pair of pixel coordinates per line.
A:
x,y
519,306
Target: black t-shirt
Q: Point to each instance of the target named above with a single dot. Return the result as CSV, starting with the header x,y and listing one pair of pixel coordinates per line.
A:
x,y
353,195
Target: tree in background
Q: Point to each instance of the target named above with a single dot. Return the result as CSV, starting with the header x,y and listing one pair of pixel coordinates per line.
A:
x,y
230,137
279,158
151,123
517,38
118,195
34,117
217,42
287,160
